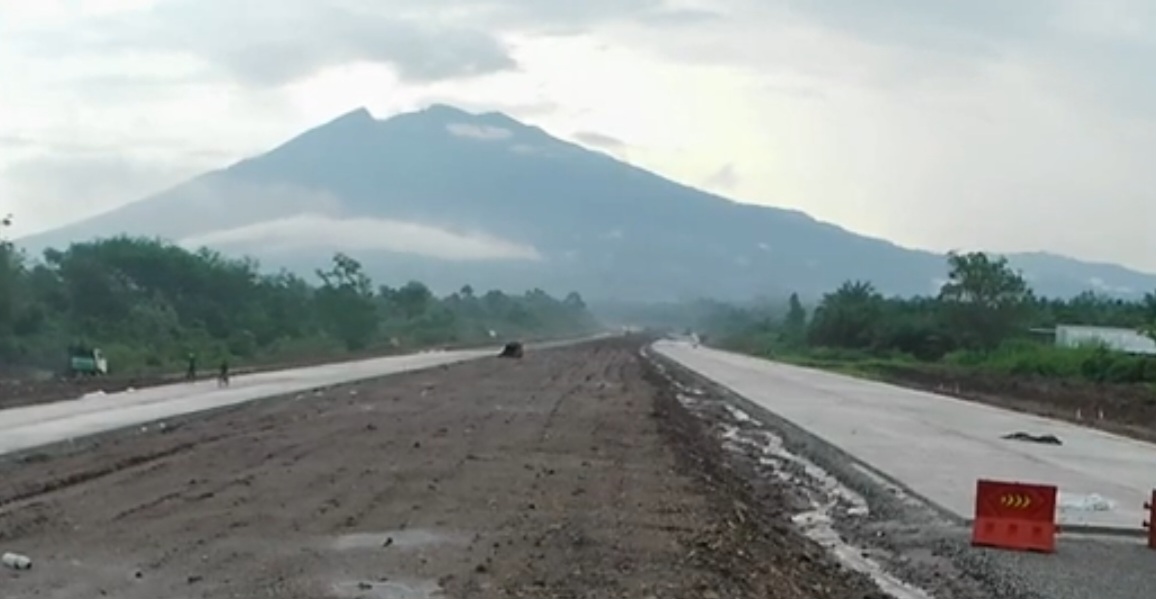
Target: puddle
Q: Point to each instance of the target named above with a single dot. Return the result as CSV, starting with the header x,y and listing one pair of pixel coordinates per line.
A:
x,y
397,539
819,527
391,589
831,495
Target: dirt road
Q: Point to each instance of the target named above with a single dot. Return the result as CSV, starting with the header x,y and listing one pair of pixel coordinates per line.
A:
x,y
572,473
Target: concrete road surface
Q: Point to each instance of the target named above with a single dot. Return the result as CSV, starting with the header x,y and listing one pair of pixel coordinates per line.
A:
x,y
33,426
939,446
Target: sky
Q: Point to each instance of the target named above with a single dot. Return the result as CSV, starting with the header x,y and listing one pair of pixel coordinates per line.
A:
x,y
983,124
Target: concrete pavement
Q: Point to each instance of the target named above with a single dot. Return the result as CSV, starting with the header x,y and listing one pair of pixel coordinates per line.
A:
x,y
939,446
34,426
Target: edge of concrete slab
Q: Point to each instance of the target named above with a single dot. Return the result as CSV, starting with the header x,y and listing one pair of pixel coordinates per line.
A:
x,y
797,438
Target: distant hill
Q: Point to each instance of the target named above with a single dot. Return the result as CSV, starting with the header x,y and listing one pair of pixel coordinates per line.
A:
x,y
451,197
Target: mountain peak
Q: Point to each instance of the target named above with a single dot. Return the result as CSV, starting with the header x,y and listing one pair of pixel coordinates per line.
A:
x,y
601,225
356,116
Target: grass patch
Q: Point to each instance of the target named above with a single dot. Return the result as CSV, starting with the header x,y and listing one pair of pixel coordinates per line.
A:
x,y
1095,364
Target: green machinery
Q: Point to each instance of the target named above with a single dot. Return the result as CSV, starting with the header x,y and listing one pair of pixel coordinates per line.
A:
x,y
86,361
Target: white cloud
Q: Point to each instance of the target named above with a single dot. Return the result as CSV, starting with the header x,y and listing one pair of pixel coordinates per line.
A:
x,y
482,132
305,231
724,179
600,140
1003,125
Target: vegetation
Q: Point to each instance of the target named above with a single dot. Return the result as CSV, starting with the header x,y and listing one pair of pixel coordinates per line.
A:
x,y
984,317
147,304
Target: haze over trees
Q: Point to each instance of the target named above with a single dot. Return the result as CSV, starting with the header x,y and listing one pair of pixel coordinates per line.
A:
x,y
148,303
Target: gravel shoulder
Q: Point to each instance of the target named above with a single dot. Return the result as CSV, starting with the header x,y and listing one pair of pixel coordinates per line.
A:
x,y
575,472
925,552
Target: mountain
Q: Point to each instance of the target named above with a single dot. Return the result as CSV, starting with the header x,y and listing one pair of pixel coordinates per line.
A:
x,y
450,197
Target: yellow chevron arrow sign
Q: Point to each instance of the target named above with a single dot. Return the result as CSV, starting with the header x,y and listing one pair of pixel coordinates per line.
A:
x,y
1016,501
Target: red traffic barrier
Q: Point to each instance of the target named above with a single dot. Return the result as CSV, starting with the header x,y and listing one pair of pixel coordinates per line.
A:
x,y
1016,516
1150,523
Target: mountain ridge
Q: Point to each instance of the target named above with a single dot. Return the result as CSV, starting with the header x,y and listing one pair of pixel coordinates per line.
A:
x,y
487,181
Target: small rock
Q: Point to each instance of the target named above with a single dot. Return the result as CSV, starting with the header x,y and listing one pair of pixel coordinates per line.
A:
x,y
195,579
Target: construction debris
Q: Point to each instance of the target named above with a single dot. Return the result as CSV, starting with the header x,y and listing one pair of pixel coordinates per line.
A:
x,y
1045,439
512,350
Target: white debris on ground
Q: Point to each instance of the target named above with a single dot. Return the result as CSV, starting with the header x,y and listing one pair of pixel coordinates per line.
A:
x,y
1084,503
1076,509
16,561
827,496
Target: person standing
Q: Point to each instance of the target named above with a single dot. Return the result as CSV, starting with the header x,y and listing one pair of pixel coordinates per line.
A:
x,y
223,374
191,373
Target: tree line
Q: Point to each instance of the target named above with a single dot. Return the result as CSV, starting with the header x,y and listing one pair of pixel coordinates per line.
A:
x,y
985,314
148,303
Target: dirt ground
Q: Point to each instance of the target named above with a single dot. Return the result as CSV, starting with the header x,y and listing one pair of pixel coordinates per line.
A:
x,y
1128,410
572,473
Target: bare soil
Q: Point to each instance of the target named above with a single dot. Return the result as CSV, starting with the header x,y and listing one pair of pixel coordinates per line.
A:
x,y
1128,410
574,472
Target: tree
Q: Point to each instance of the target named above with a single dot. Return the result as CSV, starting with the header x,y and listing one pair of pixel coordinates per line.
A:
x,y
983,298
147,303
413,299
574,301
9,273
795,322
1149,317
347,302
848,317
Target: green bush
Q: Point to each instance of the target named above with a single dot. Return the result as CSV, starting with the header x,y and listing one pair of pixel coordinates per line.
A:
x,y
1092,362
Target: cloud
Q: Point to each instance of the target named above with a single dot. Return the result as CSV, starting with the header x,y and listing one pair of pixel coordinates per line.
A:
x,y
723,178
518,109
932,123
273,43
314,231
562,17
600,140
482,132
47,190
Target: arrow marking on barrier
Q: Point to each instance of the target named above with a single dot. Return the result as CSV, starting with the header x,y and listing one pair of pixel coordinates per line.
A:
x,y
1021,502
